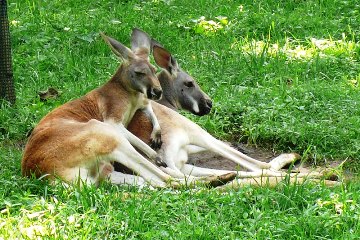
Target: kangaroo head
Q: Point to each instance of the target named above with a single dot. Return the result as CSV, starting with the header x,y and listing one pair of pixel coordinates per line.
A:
x,y
137,72
181,91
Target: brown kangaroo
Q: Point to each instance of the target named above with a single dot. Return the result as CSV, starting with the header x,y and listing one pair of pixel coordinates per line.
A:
x,y
78,140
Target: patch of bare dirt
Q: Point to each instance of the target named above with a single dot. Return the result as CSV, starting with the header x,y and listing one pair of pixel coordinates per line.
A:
x,y
212,160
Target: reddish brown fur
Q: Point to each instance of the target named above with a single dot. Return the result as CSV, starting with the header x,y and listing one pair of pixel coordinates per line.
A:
x,y
66,137
141,126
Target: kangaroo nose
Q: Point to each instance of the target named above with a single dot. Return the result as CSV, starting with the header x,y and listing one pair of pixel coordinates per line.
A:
x,y
209,103
205,107
156,94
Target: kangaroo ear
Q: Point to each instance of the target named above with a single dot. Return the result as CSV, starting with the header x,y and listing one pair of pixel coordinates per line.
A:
x,y
155,43
140,42
120,50
164,59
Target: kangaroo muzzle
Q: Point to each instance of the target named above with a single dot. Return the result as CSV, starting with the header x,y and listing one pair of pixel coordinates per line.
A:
x,y
204,107
208,104
154,93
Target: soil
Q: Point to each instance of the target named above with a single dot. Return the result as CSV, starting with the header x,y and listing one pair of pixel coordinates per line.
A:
x,y
211,160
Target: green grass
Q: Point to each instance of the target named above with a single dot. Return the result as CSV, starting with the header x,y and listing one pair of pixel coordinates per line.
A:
x,y
282,74
108,212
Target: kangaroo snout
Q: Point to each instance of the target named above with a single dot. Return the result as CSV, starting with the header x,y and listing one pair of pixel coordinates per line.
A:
x,y
207,107
154,93
204,107
208,103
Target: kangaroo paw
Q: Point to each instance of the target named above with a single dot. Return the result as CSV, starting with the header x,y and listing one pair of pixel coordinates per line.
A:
x,y
155,141
216,181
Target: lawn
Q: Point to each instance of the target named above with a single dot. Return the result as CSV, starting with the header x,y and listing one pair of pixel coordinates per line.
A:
x,y
282,74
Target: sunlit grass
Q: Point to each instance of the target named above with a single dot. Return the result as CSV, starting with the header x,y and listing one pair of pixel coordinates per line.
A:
x,y
296,50
283,75
286,211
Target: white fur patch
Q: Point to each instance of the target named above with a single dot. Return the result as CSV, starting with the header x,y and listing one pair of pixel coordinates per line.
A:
x,y
195,105
121,178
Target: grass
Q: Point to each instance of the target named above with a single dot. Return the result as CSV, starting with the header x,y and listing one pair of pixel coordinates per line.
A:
x,y
287,212
282,74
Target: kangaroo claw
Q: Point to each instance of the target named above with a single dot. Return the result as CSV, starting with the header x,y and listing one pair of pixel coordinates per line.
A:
x,y
159,162
155,142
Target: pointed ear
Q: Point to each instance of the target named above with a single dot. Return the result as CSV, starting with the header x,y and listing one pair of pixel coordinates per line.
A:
x,y
140,40
164,59
120,50
155,43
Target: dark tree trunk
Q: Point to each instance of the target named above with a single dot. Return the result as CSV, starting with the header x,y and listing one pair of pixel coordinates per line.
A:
x,y
7,90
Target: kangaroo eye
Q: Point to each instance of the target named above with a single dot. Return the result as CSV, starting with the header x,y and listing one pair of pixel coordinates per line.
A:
x,y
138,73
189,84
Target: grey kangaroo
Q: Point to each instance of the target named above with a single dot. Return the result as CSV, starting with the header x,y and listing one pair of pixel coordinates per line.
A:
x,y
181,137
